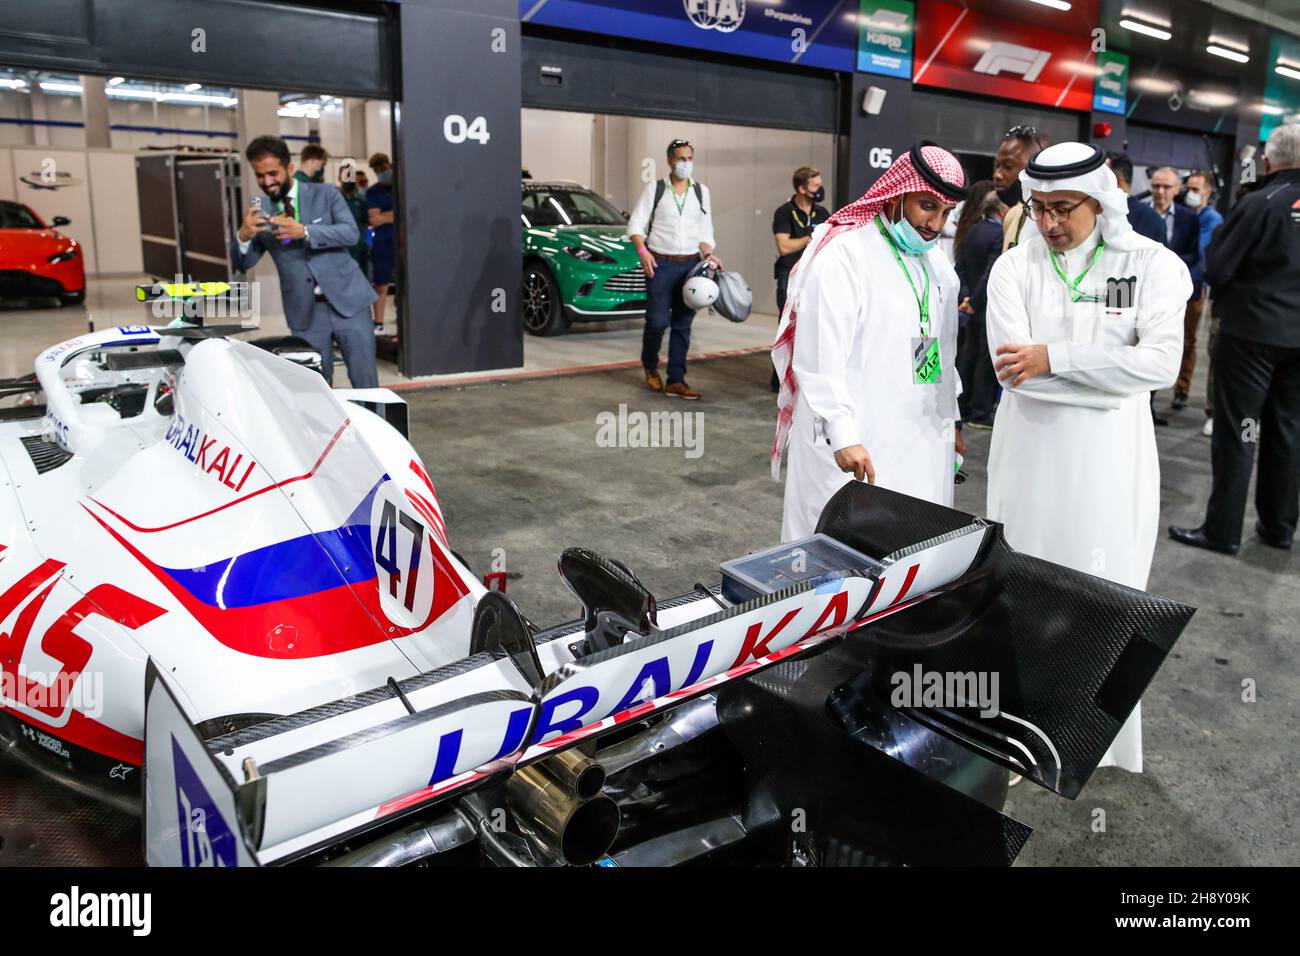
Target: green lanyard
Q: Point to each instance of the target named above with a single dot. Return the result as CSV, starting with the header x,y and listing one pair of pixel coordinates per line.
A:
x,y
922,301
1075,294
681,203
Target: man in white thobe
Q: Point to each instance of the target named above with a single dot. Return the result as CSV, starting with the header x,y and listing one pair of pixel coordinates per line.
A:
x,y
1084,321
869,386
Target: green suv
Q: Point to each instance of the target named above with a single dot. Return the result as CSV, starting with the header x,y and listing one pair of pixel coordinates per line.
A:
x,y
577,265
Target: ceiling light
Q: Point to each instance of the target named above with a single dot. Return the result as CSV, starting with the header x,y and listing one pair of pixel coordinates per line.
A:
x,y
194,98
193,87
14,84
1271,110
1213,99
1147,29
61,87
1227,53
1054,4
133,93
116,80
1289,69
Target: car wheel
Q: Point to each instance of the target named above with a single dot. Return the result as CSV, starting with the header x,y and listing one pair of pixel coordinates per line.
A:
x,y
73,298
543,309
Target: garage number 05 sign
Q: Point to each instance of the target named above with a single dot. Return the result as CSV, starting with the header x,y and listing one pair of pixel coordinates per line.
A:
x,y
402,556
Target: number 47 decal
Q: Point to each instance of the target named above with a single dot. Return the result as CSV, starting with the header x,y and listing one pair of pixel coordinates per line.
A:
x,y
386,550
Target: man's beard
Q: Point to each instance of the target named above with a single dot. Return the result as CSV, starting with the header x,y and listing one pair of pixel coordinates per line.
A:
x,y
280,191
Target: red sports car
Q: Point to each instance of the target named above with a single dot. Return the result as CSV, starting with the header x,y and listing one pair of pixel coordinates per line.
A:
x,y
36,261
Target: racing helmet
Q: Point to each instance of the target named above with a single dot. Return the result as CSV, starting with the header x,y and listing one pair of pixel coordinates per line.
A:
x,y
733,299
699,292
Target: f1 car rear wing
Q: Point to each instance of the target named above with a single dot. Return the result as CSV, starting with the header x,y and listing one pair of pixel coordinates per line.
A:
x,y
290,786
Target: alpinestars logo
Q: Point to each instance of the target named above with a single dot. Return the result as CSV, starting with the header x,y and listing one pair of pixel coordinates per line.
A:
x,y
1002,57
721,15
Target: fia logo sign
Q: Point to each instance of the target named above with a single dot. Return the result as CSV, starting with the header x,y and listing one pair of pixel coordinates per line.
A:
x,y
1120,292
206,840
725,16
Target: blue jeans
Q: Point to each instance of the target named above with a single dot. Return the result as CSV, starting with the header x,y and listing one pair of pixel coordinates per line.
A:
x,y
664,308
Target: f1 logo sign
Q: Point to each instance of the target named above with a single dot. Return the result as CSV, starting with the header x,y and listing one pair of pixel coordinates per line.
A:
x,y
1013,58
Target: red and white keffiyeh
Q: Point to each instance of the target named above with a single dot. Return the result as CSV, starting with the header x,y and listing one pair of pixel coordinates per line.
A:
x,y
901,178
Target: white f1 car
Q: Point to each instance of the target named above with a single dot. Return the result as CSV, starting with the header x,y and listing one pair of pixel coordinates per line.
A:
x,y
227,596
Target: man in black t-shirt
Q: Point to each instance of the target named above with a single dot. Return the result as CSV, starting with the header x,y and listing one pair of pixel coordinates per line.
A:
x,y
793,223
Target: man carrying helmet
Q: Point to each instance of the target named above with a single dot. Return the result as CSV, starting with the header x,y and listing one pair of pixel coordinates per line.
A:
x,y
672,229
868,381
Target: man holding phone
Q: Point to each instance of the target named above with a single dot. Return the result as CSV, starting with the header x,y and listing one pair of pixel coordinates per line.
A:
x,y
309,232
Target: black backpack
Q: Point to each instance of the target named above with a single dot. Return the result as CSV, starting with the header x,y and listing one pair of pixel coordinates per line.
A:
x,y
660,188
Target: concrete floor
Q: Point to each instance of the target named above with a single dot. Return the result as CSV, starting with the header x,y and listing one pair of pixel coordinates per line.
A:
x,y
517,468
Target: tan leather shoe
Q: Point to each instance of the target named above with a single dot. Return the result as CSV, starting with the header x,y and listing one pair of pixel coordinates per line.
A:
x,y
682,390
653,380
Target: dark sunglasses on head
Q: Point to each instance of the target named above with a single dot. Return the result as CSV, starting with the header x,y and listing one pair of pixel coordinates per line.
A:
x,y
678,144
1024,133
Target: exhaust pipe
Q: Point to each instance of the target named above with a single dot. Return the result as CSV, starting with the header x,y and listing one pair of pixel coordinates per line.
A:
x,y
419,842
559,800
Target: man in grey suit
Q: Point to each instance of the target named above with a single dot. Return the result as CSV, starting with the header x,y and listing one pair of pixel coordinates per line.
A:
x,y
309,235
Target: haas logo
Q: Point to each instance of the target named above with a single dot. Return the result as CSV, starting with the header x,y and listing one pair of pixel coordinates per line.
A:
x,y
721,15
1012,58
1120,292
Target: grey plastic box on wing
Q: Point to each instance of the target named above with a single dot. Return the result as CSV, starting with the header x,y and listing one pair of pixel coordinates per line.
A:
x,y
810,560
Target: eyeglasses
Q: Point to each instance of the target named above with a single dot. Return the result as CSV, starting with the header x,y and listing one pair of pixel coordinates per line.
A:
x,y
1057,213
678,144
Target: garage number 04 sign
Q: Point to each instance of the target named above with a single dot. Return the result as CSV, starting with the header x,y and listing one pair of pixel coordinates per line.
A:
x,y
457,129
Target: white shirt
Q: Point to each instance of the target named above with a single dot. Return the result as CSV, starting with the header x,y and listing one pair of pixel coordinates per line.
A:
x,y
1073,472
1168,217
857,318
677,232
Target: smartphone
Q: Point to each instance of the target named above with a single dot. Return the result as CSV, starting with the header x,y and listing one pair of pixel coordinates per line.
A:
x,y
257,204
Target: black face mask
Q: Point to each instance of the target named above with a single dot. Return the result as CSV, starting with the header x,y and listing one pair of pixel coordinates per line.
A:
x,y
1013,195
819,195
